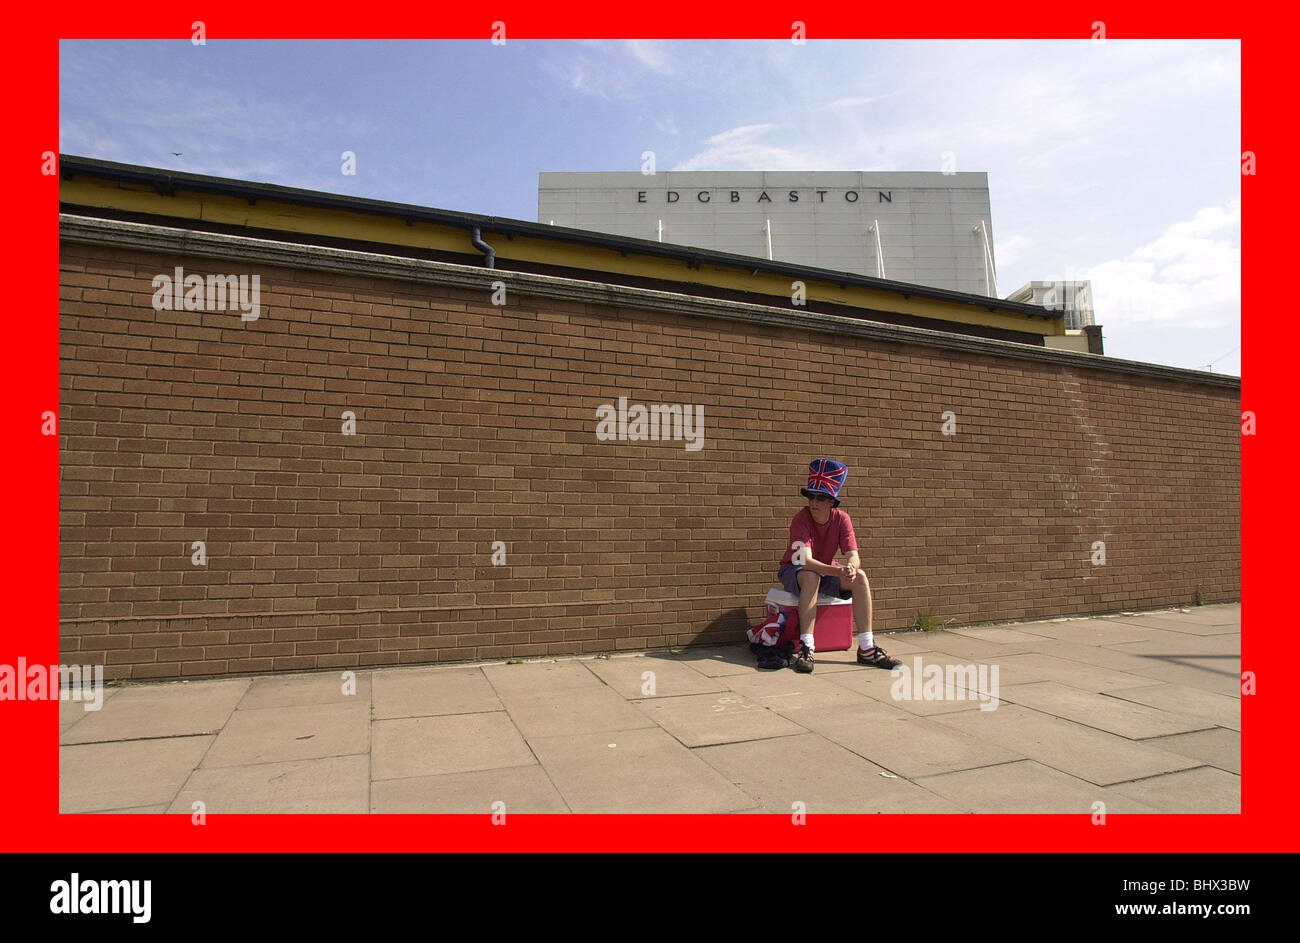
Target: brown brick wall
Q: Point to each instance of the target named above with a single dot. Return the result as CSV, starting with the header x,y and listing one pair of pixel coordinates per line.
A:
x,y
477,423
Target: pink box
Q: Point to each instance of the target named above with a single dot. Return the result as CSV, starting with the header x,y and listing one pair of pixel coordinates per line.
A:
x,y
833,630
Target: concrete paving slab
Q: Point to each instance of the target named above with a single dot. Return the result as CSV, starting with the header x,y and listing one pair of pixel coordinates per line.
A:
x,y
788,692
1213,673
137,810
1102,711
713,662
428,692
822,775
1214,615
305,689
626,676
996,634
1088,631
70,712
1205,789
1028,668
704,719
573,712
635,771
1177,622
881,686
172,709
1215,747
1027,787
455,743
1092,755
101,776
1173,645
277,734
522,789
904,743
1190,702
977,649
540,677
336,784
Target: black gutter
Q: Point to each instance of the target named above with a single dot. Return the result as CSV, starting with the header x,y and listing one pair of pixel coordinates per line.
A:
x,y
167,182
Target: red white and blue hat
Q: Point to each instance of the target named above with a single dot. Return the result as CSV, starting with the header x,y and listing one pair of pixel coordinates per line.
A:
x,y
825,476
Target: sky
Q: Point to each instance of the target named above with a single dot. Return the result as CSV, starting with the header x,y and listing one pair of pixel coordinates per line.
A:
x,y
1116,161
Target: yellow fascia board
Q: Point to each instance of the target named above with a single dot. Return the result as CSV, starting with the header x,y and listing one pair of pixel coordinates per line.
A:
x,y
347,224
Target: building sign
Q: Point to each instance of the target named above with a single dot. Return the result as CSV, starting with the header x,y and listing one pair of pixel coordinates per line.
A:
x,y
784,196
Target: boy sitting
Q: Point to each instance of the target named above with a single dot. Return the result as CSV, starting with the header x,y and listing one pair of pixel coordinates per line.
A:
x,y
816,532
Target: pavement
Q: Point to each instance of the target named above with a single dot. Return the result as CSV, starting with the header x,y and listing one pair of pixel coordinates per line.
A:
x,y
1139,711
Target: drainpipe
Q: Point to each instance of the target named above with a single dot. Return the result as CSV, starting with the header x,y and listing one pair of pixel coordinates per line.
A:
x,y
491,254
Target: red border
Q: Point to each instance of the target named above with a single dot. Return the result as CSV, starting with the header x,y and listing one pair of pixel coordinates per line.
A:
x,y
29,767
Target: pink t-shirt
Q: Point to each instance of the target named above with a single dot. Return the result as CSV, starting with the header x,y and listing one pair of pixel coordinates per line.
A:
x,y
836,534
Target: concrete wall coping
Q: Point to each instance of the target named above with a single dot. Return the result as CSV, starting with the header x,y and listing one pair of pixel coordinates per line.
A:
x,y
120,234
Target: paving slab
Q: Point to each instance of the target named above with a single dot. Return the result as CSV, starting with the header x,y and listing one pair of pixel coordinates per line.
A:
x,y
275,734
573,712
454,743
626,676
172,709
882,686
704,719
1088,631
1216,614
429,692
1000,635
1027,787
1092,755
788,692
70,712
1221,675
1205,789
335,784
1184,646
1178,622
635,771
540,677
904,743
522,789
977,649
1105,712
106,776
1031,667
713,662
137,810
305,689
1190,702
1216,747
824,776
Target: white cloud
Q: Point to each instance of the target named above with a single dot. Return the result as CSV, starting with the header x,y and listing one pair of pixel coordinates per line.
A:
x,y
741,149
1190,274
651,54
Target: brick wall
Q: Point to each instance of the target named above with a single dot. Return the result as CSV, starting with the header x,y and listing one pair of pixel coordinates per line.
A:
x,y
476,424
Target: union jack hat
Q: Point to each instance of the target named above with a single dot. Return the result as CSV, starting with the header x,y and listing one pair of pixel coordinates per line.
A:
x,y
825,476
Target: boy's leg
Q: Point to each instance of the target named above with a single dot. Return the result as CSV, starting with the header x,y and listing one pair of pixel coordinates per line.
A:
x,y
861,589
808,585
869,653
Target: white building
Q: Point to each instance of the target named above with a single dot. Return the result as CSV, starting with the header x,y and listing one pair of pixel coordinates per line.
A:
x,y
930,229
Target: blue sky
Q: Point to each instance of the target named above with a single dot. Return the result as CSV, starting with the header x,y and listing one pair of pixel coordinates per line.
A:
x,y
1116,161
